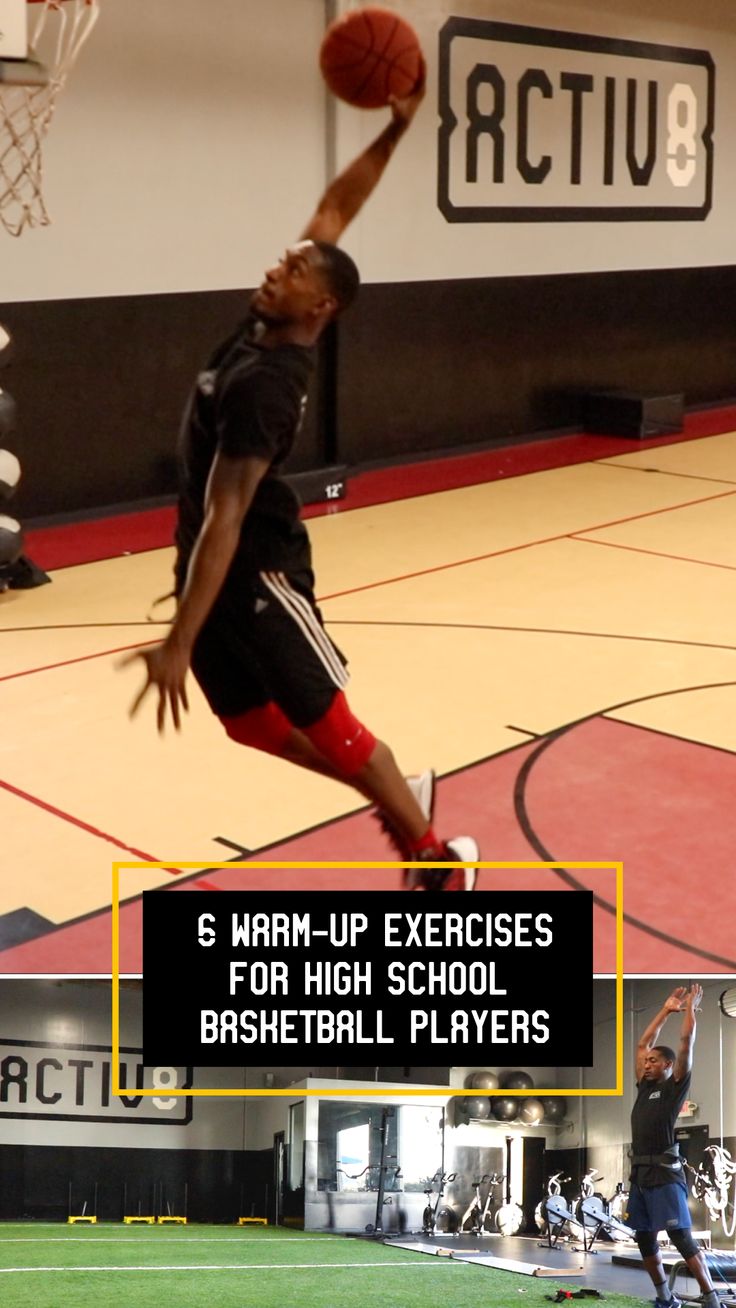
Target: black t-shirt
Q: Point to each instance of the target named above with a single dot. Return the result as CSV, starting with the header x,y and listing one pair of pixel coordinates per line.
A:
x,y
248,400
653,1118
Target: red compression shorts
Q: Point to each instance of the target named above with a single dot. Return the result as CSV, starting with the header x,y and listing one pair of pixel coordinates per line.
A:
x,y
337,735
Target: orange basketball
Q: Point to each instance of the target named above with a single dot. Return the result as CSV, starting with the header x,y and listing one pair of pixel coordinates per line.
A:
x,y
369,55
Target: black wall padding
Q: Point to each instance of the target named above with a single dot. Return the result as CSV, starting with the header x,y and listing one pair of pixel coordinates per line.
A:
x,y
433,365
101,385
414,367
222,1184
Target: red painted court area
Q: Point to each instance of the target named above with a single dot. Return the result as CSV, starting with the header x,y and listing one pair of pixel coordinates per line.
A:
x,y
579,795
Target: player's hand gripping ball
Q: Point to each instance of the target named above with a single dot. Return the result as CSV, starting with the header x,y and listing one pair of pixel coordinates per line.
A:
x,y
370,56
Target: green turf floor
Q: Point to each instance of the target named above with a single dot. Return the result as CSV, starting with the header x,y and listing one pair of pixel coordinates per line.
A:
x,y
116,1266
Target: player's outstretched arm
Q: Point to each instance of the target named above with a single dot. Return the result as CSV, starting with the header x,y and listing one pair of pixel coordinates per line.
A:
x,y
347,194
684,1060
230,490
648,1039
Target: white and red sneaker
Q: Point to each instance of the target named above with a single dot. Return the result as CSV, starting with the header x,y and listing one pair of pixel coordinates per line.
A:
x,y
422,788
461,849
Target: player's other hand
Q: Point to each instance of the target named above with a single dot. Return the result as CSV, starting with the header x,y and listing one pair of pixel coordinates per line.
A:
x,y
166,670
695,997
404,109
676,1001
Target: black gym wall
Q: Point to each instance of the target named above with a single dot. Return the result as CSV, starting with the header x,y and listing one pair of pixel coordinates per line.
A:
x,y
420,366
221,1185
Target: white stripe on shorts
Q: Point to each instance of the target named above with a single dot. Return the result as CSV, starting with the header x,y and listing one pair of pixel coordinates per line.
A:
x,y
308,623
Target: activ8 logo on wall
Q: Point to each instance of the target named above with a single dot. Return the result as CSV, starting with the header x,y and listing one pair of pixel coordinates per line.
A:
x,y
71,1083
547,126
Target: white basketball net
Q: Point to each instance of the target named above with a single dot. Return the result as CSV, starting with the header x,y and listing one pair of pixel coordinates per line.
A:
x,y
57,31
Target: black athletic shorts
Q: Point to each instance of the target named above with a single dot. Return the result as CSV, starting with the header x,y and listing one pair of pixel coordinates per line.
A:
x,y
267,642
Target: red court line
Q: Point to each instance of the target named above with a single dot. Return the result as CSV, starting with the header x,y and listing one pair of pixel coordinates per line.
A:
x,y
658,554
77,822
424,572
81,658
527,545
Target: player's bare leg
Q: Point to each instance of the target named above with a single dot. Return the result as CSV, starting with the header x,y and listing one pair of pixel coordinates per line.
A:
x,y
379,780
698,1268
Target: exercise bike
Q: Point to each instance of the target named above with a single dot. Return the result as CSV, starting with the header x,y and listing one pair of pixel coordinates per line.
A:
x,y
618,1204
477,1211
430,1214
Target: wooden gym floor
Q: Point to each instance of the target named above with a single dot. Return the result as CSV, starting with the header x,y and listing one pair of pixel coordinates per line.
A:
x,y
554,631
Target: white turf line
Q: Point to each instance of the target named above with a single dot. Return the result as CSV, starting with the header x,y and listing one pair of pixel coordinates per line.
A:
x,y
170,1239
244,1267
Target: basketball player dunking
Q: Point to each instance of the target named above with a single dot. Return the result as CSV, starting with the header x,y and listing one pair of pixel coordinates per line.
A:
x,y
246,620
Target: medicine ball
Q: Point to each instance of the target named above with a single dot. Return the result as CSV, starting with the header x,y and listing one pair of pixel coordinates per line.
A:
x,y
517,1081
6,346
476,1106
9,474
505,1109
484,1081
11,540
532,1112
555,1108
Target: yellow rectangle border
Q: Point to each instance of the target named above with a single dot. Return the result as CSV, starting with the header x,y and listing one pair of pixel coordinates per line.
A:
x,y
367,1091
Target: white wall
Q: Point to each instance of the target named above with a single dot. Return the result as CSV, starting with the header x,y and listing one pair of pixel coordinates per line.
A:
x,y
190,143
403,235
187,149
63,1019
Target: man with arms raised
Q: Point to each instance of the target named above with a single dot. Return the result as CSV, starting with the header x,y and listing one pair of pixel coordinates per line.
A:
x,y
658,1198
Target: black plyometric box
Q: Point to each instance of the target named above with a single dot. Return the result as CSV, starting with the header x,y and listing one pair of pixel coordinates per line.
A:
x,y
629,413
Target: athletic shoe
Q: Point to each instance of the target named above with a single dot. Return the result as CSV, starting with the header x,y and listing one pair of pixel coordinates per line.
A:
x,y
422,788
461,849
672,1302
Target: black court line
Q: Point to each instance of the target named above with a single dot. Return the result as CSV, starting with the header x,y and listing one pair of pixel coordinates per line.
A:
x,y
525,824
241,851
666,472
423,572
674,735
523,731
534,631
261,854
